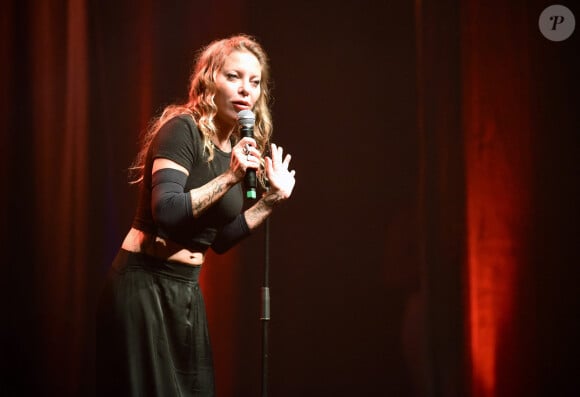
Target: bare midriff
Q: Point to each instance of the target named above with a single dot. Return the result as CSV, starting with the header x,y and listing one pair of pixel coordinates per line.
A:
x,y
139,241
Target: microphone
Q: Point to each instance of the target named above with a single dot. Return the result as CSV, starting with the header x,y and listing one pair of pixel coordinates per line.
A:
x,y
246,119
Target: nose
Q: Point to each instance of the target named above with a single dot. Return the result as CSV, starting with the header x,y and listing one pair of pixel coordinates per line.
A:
x,y
243,89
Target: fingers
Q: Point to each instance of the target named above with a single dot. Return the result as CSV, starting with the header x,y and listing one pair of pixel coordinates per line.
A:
x,y
281,179
277,153
268,164
249,156
247,141
247,146
278,158
247,153
275,165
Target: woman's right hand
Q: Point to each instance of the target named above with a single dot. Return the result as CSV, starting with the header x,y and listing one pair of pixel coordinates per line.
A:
x,y
245,155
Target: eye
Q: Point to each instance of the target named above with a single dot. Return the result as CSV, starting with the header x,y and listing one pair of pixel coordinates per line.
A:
x,y
256,83
231,75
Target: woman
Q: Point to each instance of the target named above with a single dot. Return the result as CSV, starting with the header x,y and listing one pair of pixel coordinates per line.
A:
x,y
152,337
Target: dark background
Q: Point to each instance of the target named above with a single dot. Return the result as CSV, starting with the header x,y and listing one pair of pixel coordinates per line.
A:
x,y
431,244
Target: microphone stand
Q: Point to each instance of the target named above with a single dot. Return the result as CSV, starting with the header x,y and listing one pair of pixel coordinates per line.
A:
x,y
246,120
265,313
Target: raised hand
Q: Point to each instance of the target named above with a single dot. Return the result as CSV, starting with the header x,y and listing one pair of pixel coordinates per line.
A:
x,y
281,179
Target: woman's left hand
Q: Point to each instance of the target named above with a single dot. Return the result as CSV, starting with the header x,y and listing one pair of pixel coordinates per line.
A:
x,y
281,179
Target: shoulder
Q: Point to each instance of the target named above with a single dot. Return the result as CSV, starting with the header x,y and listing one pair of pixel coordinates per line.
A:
x,y
180,130
181,124
178,139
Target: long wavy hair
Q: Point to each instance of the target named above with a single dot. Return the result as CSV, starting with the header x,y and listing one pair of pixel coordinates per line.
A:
x,y
201,105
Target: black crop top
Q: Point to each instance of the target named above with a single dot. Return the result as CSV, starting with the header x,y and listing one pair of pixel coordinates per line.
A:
x,y
179,140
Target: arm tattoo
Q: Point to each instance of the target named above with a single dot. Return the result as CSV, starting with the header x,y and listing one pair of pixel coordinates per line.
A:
x,y
258,213
205,196
271,200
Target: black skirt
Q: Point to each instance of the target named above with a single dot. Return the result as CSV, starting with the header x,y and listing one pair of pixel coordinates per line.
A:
x,y
152,335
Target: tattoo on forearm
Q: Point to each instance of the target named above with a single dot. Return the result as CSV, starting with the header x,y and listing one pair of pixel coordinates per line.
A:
x,y
271,200
207,195
256,215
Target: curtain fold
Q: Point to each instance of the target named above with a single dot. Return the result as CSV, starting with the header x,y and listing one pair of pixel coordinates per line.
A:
x,y
497,122
441,196
59,90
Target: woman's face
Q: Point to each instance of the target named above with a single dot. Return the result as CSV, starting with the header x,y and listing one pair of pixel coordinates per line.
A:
x,y
237,86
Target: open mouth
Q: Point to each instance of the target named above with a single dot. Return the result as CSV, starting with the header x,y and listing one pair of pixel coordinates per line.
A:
x,y
241,105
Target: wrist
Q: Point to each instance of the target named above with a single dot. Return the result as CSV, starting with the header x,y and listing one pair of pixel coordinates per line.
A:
x,y
231,178
272,199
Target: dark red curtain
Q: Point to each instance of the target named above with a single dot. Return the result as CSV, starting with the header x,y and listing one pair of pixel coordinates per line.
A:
x,y
498,91
46,196
498,201
507,66
80,81
429,248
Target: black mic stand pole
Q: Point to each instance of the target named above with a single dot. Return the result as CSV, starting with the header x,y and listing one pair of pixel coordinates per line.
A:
x,y
265,314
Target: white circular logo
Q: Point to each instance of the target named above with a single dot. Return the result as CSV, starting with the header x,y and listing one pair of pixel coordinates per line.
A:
x,y
557,23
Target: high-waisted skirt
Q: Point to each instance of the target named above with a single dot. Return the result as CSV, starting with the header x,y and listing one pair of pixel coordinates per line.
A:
x,y
152,335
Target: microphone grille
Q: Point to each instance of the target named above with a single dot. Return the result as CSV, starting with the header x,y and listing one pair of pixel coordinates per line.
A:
x,y
246,118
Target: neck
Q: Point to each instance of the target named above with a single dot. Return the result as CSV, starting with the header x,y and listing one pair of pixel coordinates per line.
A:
x,y
222,138
224,145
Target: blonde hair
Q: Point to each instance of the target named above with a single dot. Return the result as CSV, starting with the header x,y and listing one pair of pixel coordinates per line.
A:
x,y
202,90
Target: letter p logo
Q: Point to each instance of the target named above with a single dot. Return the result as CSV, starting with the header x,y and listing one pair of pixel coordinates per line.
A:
x,y
556,23
557,19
